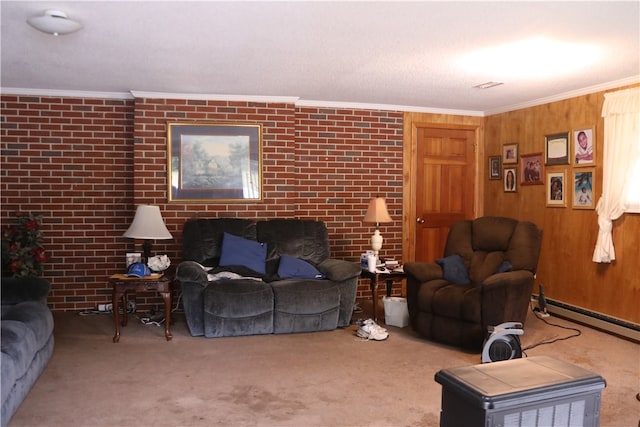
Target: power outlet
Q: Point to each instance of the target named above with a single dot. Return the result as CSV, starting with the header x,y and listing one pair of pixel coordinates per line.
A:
x,y
105,308
536,308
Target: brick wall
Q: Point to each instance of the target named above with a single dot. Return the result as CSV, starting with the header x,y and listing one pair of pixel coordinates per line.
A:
x,y
86,163
71,160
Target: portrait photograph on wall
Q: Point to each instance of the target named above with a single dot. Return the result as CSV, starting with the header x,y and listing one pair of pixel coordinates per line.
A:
x,y
583,189
495,167
531,167
510,182
214,162
556,196
584,147
557,149
510,153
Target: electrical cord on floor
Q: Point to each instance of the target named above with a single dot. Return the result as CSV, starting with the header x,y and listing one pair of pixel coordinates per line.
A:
x,y
177,303
578,332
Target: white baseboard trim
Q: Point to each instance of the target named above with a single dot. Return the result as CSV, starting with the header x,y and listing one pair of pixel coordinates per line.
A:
x,y
597,320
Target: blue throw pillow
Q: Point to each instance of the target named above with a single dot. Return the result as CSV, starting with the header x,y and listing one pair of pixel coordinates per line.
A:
x,y
292,267
243,252
454,270
504,267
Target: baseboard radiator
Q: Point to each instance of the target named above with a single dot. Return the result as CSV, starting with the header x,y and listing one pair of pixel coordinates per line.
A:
x,y
597,320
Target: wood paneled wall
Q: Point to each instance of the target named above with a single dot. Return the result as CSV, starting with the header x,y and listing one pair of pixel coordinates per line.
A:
x,y
569,235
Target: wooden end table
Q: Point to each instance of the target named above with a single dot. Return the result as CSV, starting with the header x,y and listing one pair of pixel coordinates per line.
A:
x,y
122,284
378,276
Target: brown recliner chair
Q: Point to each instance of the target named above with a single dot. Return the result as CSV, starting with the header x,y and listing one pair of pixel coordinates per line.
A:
x,y
485,279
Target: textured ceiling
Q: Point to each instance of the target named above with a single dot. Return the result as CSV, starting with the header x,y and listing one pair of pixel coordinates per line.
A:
x,y
403,54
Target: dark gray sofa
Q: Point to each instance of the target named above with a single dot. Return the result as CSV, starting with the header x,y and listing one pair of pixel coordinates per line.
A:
x,y
263,302
27,338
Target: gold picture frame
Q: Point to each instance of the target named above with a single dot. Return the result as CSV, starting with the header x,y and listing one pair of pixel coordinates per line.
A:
x,y
556,184
510,153
584,147
214,162
584,188
532,169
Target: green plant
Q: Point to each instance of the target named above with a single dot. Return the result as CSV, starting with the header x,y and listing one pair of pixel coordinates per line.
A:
x,y
22,250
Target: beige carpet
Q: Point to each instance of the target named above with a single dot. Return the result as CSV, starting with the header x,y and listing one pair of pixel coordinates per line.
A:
x,y
316,379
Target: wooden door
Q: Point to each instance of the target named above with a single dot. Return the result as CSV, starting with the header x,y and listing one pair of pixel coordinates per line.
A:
x,y
444,186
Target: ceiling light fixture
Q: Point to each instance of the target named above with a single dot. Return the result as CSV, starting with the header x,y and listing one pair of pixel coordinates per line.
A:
x,y
54,22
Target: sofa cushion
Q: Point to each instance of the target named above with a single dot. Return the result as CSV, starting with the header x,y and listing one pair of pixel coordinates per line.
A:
x,y
304,239
18,344
492,233
238,307
504,267
35,316
454,270
202,238
484,264
305,306
292,267
237,251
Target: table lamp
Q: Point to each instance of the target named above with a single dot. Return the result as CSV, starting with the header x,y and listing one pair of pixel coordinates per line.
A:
x,y
148,224
377,213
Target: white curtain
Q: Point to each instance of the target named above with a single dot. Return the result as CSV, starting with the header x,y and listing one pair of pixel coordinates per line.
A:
x,y
621,112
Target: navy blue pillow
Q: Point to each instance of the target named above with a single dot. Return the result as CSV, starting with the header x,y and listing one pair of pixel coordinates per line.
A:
x,y
292,267
454,270
504,267
243,252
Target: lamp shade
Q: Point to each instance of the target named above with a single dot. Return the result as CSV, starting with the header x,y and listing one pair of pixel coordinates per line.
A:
x,y
377,211
148,224
54,22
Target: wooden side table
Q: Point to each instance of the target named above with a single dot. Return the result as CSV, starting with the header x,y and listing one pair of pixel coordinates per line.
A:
x,y
122,284
376,277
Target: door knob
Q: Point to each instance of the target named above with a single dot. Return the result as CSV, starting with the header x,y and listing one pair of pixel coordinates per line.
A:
x,y
420,220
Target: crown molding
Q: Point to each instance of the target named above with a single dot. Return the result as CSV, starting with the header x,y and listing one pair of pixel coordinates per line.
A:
x,y
315,103
385,107
566,95
214,97
64,93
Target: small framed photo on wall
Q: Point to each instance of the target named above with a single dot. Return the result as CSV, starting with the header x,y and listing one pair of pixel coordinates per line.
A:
x,y
584,147
531,167
556,194
495,167
510,153
510,182
557,149
583,189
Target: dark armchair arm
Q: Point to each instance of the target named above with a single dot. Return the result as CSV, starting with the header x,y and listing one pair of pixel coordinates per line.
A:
x,y
19,289
193,281
191,271
506,296
339,270
423,271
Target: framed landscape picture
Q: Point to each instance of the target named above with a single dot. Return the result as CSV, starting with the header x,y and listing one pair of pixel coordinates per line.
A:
x,y
557,149
584,146
214,162
531,167
556,189
583,188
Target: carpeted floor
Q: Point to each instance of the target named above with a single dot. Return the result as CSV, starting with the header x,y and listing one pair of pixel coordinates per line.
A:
x,y
316,379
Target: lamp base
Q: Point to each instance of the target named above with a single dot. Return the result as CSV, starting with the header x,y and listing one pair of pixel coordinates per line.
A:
x,y
376,244
146,248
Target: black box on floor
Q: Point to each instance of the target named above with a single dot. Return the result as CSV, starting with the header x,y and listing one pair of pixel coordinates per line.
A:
x,y
532,392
